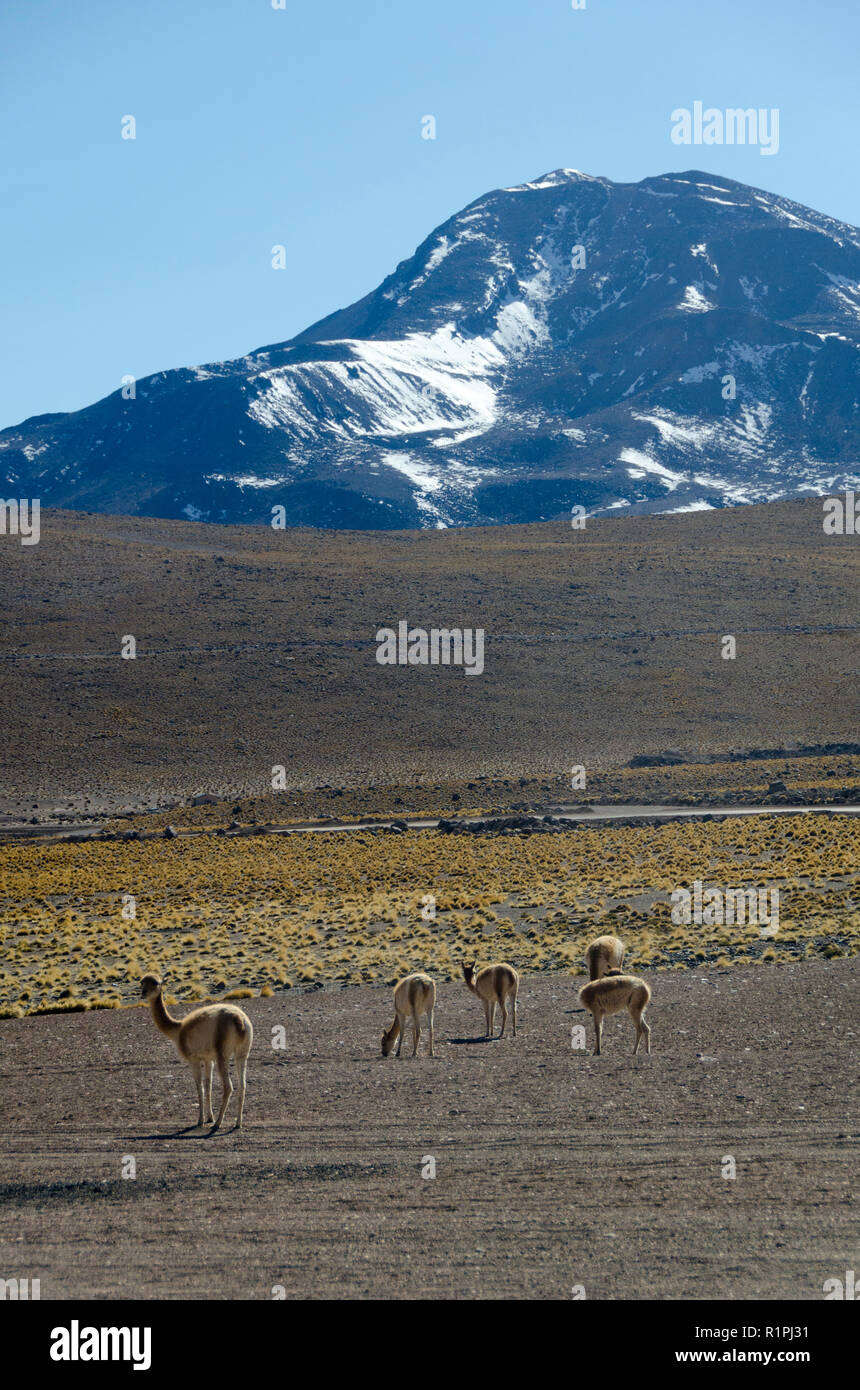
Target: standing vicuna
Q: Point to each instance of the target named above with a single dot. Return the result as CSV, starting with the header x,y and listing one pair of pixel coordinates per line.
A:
x,y
494,985
206,1038
413,995
610,995
603,955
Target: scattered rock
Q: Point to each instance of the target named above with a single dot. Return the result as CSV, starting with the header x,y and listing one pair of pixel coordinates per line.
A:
x,y
670,758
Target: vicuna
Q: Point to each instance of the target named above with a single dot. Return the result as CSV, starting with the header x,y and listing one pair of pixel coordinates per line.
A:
x,y
610,995
603,955
413,995
206,1038
494,985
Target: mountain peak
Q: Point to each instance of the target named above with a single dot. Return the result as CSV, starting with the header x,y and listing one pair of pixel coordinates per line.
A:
x,y
682,342
554,179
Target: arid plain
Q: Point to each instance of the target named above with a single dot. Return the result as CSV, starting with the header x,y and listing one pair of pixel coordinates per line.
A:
x,y
554,1169
149,781
256,648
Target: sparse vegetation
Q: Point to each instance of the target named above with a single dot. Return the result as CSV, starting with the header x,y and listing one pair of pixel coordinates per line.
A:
x,y
311,910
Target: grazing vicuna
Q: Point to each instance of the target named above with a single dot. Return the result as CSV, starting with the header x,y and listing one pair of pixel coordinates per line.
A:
x,y
603,955
414,995
206,1038
610,995
494,985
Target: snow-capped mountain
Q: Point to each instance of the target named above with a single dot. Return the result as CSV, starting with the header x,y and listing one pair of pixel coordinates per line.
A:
x,y
678,343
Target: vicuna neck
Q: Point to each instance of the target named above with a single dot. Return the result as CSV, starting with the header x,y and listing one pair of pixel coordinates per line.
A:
x,y
161,1018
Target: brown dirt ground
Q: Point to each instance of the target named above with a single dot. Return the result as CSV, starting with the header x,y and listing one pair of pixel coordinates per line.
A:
x,y
554,1168
257,649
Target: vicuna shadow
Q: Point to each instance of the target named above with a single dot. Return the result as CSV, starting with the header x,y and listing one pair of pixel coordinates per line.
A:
x,y
189,1132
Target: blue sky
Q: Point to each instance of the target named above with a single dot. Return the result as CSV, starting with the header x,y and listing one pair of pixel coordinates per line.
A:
x,y
302,126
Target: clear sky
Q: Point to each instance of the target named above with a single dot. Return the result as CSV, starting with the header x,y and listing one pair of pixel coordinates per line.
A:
x,y
302,126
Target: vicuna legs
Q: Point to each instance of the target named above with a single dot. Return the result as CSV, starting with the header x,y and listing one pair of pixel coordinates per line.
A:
x,y
198,1081
241,1069
224,1073
642,1029
504,1016
415,1017
598,1029
209,1068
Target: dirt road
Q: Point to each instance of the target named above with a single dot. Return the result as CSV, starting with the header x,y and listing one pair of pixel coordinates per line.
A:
x,y
15,830
553,1168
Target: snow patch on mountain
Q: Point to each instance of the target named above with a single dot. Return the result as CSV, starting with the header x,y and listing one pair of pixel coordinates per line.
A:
x,y
439,495
416,384
643,463
699,374
519,329
677,430
243,480
554,180
694,301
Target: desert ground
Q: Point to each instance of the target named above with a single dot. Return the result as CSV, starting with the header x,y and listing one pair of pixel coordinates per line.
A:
x,y
554,1168
256,648
139,831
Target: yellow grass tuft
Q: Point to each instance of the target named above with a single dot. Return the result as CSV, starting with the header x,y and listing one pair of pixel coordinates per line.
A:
x,y
228,914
